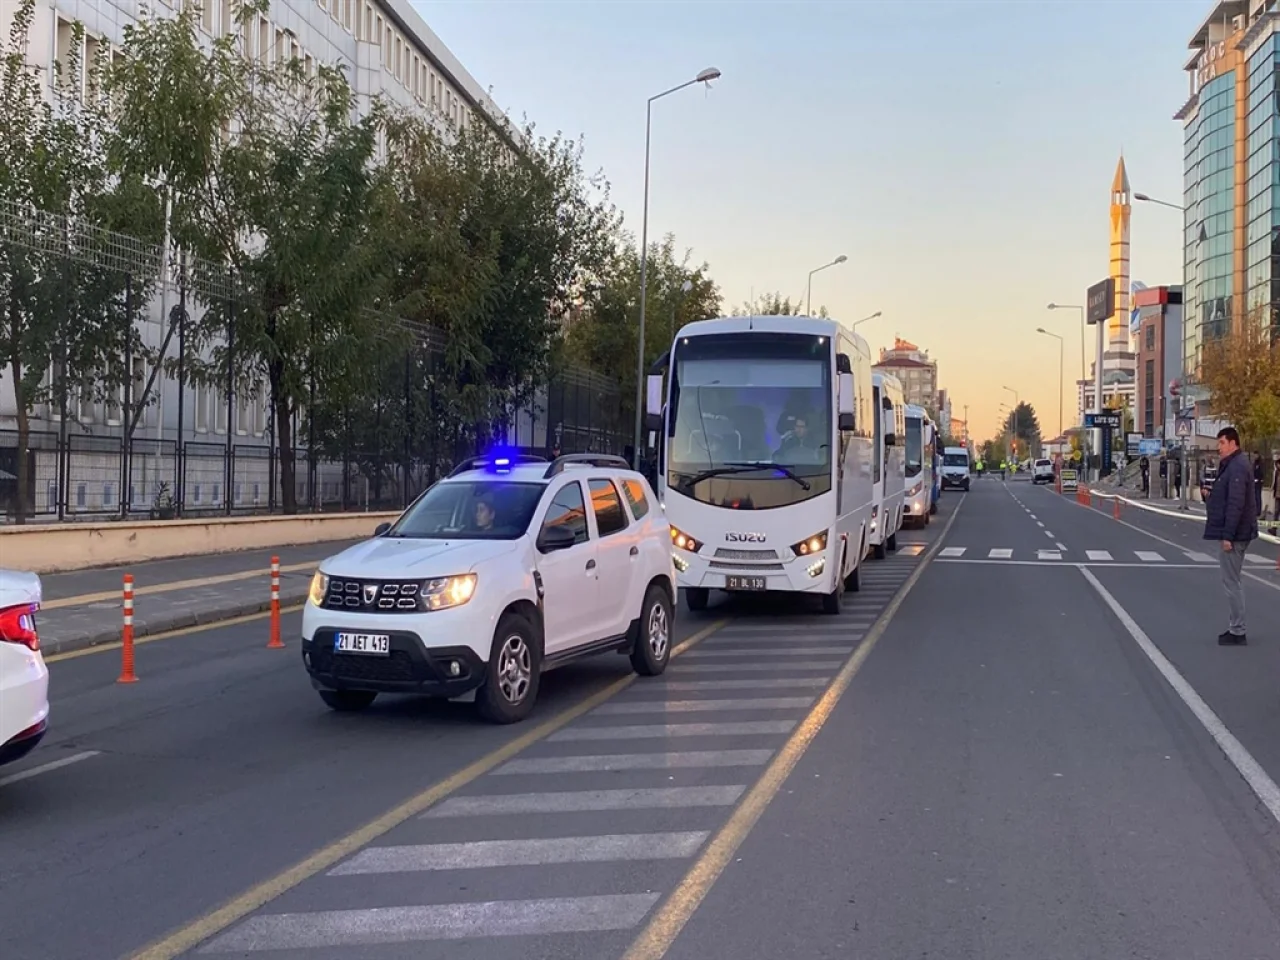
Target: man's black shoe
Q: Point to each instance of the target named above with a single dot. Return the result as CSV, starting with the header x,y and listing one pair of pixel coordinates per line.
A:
x,y
1230,639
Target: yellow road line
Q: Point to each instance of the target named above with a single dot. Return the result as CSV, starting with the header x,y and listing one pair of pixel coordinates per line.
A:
x,y
170,634
146,590
201,929
661,931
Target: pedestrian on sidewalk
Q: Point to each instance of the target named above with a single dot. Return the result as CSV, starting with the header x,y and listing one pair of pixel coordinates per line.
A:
x,y
1257,484
1232,520
1145,467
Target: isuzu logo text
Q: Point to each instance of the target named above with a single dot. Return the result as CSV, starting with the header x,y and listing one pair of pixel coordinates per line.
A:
x,y
744,537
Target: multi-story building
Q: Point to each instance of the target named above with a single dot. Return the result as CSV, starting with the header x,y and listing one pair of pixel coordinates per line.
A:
x,y
388,52
911,365
943,410
1159,337
1231,123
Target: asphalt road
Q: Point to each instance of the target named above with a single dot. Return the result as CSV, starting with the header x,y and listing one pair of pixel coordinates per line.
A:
x,y
990,765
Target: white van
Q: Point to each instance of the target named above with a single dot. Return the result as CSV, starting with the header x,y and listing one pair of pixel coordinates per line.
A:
x,y
889,463
955,468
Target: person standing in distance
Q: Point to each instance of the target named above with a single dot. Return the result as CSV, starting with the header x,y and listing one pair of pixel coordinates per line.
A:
x,y
1232,520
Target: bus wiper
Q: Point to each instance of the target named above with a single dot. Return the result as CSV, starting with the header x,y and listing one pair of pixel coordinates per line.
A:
x,y
697,478
785,471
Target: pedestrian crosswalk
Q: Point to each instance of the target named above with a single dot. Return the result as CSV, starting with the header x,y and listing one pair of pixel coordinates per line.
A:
x,y
1094,556
565,849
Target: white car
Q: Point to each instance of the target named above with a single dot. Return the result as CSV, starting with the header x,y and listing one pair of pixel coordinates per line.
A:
x,y
508,567
24,678
1042,471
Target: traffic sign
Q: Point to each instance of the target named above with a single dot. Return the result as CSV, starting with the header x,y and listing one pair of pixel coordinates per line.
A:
x,y
1183,427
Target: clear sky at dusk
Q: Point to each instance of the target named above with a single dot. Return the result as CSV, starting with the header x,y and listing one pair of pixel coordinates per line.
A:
x,y
959,153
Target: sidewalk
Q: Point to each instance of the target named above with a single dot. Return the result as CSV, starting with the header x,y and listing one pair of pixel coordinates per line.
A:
x,y
83,609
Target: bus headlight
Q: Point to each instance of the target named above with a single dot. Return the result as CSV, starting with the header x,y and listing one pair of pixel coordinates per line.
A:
x,y
810,545
916,489
685,542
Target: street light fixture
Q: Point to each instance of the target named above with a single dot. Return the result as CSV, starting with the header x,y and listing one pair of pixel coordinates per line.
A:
x,y
1061,343
704,76
1164,203
808,297
865,319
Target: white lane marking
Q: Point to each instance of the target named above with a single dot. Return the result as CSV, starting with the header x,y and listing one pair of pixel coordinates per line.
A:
x,y
648,731
521,853
1098,554
578,801
1148,556
1049,534
1241,759
628,707
1199,557
1048,555
780,651
683,669
952,551
635,761
1000,553
1081,563
47,767
815,631
1255,559
1040,523
1032,516
1061,546
446,921
810,682
779,640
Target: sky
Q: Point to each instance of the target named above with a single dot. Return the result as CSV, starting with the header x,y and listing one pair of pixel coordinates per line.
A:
x,y
960,154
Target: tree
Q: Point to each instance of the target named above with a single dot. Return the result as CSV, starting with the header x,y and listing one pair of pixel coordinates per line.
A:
x,y
270,180
774,305
1024,426
63,325
1242,372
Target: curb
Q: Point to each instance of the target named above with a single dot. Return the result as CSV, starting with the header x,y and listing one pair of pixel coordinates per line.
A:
x,y
208,617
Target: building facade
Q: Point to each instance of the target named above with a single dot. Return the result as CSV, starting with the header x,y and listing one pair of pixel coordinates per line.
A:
x,y
387,51
1231,189
1159,348
912,366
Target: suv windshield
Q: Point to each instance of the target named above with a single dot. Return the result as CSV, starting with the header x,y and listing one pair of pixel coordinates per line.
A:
x,y
471,510
750,419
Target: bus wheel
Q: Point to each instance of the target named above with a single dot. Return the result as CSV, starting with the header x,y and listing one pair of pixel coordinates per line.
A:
x,y
853,582
695,598
833,602
892,542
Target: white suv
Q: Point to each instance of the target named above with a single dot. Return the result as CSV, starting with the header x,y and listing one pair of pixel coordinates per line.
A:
x,y
508,567
24,678
1042,471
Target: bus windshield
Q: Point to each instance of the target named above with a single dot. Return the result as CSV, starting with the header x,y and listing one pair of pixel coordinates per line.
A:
x,y
749,423
915,446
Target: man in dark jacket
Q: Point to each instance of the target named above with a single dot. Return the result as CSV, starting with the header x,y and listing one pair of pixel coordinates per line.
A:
x,y
1232,520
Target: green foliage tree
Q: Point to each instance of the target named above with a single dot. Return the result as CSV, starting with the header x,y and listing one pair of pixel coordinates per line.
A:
x,y
774,304
269,172
63,325
603,332
1023,424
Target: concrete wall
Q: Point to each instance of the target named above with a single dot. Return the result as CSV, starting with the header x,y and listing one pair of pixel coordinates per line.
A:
x,y
46,548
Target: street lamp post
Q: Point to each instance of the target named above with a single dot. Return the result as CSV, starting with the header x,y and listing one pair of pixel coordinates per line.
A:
x,y
1061,364
1084,433
1163,203
808,297
1017,402
865,319
706,76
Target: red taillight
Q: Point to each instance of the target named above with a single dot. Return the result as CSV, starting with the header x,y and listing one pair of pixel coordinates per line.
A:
x,y
18,625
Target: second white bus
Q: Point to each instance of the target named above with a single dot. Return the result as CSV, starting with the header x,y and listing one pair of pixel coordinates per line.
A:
x,y
889,474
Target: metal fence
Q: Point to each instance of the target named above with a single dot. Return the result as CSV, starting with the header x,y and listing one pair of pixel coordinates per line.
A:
x,y
78,474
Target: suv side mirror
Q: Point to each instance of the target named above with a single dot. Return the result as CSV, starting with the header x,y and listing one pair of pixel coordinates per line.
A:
x,y
381,529
846,402
552,539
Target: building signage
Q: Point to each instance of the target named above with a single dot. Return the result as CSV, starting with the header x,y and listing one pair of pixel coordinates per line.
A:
x,y
1100,301
1209,61
1107,418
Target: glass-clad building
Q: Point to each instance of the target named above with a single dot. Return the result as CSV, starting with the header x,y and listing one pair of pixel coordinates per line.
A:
x,y
1231,187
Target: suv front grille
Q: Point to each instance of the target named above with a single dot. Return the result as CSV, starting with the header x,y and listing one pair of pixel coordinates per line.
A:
x,y
384,596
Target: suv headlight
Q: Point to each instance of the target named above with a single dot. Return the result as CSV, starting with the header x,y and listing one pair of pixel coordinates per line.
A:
x,y
319,587
810,545
445,592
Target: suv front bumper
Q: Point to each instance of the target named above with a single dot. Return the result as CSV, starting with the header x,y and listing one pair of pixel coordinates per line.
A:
x,y
411,666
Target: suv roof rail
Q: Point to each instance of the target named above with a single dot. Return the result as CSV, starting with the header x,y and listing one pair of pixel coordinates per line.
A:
x,y
588,459
472,463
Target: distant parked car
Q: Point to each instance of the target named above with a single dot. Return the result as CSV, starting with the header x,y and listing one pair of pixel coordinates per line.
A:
x,y
24,678
1042,471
